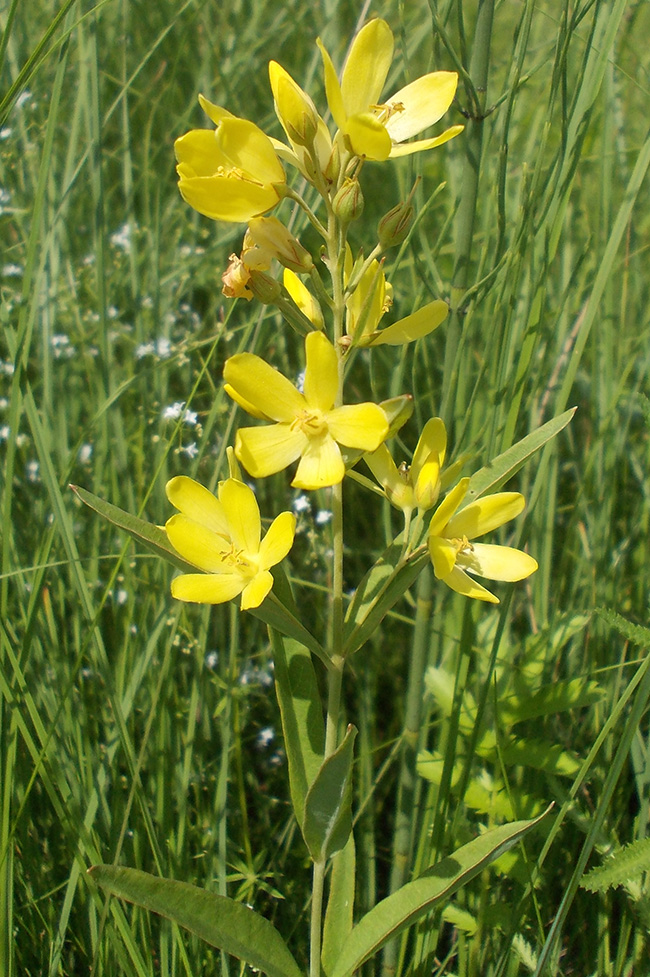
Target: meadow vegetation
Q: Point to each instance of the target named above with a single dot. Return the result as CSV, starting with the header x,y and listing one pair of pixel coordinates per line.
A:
x,y
137,730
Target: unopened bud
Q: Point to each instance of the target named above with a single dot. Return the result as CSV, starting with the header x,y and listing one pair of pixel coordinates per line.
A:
x,y
348,202
295,108
395,225
269,234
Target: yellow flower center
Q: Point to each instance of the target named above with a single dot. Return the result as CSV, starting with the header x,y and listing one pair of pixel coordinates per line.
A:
x,y
234,173
239,561
462,546
311,422
384,112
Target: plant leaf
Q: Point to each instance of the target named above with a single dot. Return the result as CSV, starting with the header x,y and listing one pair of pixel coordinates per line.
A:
x,y
381,588
302,717
340,905
505,465
219,921
274,613
620,867
327,822
153,537
412,901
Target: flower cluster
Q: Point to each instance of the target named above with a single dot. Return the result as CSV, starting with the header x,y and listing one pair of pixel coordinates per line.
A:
x,y
236,172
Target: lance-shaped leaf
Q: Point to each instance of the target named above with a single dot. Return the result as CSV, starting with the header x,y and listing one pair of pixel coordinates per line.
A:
x,y
153,537
219,921
327,822
505,465
272,611
302,716
412,901
386,581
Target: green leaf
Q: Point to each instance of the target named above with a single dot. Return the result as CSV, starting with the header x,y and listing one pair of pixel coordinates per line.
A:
x,y
340,905
302,716
219,921
274,613
620,867
635,633
550,699
505,465
540,755
153,537
403,908
381,588
327,822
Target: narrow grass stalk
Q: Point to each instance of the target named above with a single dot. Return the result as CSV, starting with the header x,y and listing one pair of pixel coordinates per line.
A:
x,y
405,821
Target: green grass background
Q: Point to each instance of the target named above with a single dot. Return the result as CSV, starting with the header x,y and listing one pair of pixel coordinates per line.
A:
x,y
130,726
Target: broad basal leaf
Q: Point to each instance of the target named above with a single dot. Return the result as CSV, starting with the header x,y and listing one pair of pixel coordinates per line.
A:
x,y
220,921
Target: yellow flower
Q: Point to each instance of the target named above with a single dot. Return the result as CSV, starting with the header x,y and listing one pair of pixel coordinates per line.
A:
x,y
306,131
222,538
371,298
455,558
230,174
417,486
308,425
379,131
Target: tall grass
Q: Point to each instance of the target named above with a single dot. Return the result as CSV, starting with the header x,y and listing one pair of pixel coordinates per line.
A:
x,y
134,730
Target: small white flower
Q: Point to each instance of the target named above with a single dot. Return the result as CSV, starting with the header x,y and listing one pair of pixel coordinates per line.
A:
x,y
3,403
301,504
174,411
23,98
163,347
265,737
11,271
122,238
5,132
190,417
322,517
85,451
190,450
144,349
32,470
5,431
121,596
212,659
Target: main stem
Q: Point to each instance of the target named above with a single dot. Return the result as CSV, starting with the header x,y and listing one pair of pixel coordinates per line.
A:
x,y
335,671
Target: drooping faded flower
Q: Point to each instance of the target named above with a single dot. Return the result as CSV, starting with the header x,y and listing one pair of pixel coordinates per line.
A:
x,y
307,425
221,537
231,173
380,130
456,559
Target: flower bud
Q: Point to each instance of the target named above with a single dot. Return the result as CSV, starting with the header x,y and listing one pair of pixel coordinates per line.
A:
x,y
348,202
269,234
294,107
395,225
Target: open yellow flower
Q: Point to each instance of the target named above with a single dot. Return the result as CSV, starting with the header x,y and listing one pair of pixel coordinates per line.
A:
x,y
230,174
456,559
222,538
380,130
308,425
417,486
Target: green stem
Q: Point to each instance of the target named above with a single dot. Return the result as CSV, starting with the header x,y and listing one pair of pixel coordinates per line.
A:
x,y
404,818
478,71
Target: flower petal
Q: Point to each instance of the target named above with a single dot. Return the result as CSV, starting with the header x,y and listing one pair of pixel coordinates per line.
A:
x,y
367,66
224,198
443,556
332,87
242,510
459,581
254,593
196,544
245,404
424,102
413,326
358,425
250,149
368,137
207,588
303,298
294,108
266,450
278,540
198,504
321,372
214,112
498,562
263,386
321,464
432,441
485,514
446,509
420,145
198,153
